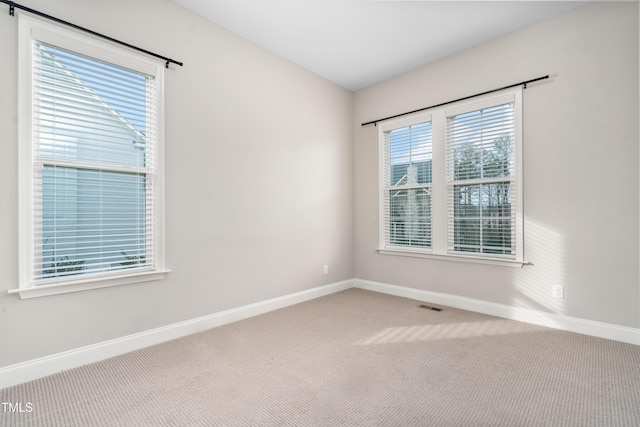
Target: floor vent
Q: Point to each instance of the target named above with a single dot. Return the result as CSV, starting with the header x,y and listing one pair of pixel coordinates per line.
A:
x,y
428,307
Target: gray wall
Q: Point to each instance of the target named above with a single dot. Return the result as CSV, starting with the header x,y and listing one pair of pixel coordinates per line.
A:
x,y
258,182
580,166
263,187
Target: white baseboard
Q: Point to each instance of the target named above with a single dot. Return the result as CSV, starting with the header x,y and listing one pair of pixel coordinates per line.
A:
x,y
49,365
552,320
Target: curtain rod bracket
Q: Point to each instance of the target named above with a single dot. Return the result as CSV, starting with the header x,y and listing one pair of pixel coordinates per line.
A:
x,y
12,10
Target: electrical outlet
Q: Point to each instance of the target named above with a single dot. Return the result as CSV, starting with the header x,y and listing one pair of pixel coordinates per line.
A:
x,y
325,269
557,291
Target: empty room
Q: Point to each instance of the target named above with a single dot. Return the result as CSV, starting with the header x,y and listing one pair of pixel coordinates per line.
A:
x,y
319,213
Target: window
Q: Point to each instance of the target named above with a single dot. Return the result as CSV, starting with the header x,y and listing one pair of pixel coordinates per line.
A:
x,y
407,188
451,182
90,163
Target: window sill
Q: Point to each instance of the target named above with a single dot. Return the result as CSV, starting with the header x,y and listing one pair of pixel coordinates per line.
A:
x,y
447,257
87,284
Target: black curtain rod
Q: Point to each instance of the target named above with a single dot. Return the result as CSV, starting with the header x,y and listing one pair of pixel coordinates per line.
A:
x,y
13,6
375,122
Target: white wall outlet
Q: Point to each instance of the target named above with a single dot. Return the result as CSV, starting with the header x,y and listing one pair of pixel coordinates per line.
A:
x,y
325,269
557,291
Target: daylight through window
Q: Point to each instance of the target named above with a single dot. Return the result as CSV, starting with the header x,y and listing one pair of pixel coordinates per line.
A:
x,y
451,183
90,160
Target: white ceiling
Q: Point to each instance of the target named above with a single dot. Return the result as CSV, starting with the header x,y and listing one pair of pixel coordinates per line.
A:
x,y
356,43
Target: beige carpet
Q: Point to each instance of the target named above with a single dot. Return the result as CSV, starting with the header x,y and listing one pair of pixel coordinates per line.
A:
x,y
355,358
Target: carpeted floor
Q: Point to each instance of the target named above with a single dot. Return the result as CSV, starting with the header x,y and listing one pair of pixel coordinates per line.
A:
x,y
355,358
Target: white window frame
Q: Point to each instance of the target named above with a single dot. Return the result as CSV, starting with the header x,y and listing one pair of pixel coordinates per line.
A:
x,y
439,204
385,186
32,30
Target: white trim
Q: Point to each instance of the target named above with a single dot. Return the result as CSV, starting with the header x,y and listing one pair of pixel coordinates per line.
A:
x,y
25,163
415,253
49,365
86,284
519,156
551,320
480,102
89,45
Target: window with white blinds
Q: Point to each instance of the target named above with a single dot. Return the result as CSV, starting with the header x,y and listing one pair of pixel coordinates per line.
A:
x,y
481,179
451,183
407,185
90,161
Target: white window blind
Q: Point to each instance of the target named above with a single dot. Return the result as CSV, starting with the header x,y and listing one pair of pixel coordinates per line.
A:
x,y
407,185
481,181
94,161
